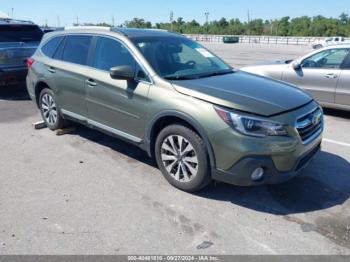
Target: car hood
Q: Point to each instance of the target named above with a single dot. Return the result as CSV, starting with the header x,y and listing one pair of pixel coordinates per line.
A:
x,y
246,92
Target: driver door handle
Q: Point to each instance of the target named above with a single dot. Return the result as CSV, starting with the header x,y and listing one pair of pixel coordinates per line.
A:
x,y
91,82
331,76
51,70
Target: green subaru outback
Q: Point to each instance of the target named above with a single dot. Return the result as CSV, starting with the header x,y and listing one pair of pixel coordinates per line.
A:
x,y
194,114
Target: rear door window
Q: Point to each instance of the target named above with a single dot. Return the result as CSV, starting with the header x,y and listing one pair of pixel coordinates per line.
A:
x,y
20,33
76,49
50,47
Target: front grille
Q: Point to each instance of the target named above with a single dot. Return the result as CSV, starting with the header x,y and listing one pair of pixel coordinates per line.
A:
x,y
310,125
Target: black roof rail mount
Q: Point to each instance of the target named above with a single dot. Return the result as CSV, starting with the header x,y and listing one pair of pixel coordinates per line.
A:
x,y
10,20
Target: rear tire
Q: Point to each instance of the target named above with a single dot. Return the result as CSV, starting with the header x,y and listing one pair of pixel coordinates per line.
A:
x,y
50,110
183,158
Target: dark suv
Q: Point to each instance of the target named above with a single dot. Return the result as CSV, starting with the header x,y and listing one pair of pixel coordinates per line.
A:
x,y
18,41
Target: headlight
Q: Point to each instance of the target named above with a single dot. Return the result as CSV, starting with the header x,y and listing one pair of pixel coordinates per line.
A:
x,y
251,126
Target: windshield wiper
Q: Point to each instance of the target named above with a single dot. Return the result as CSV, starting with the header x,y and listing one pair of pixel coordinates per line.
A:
x,y
216,73
178,77
196,76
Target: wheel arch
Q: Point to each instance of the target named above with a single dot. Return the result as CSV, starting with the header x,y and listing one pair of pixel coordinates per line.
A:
x,y
40,85
166,118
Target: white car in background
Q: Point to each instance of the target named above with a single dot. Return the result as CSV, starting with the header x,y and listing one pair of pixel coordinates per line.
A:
x,y
329,41
324,74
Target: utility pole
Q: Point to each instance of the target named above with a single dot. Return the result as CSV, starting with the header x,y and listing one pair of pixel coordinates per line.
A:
x,y
172,20
248,21
271,23
12,10
58,21
77,20
207,23
113,21
206,17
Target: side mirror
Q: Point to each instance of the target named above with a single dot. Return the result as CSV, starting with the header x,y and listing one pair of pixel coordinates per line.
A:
x,y
124,72
296,65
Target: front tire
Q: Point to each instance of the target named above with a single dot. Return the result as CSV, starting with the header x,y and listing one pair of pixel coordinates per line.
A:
x,y
183,158
49,110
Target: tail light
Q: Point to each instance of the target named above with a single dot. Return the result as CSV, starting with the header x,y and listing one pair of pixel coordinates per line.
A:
x,y
30,62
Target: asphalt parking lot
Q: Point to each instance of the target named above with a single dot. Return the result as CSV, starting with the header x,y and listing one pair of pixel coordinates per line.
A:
x,y
87,193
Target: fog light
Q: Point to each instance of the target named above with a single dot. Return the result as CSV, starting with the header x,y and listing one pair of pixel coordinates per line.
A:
x,y
258,174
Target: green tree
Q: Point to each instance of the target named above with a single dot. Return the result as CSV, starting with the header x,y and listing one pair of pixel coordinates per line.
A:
x,y
344,19
299,26
236,27
138,23
283,26
256,27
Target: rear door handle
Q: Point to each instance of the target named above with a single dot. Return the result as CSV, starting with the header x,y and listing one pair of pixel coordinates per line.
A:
x,y
51,70
91,82
331,76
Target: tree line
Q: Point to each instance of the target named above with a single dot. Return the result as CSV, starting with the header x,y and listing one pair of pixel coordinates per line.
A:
x,y
286,26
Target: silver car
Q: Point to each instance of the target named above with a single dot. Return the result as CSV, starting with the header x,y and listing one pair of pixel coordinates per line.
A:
x,y
325,74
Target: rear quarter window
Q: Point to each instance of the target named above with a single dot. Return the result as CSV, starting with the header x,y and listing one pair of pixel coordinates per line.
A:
x,y
20,33
346,63
50,47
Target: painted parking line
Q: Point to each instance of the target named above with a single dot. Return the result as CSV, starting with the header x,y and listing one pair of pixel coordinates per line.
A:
x,y
336,142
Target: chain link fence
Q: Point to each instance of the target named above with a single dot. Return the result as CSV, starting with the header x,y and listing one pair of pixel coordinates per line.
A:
x,y
278,40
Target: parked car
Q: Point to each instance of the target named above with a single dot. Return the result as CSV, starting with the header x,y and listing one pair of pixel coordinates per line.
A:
x,y
200,119
329,41
18,41
324,74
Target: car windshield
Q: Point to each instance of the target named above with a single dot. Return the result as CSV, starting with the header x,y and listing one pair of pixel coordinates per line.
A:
x,y
178,58
20,33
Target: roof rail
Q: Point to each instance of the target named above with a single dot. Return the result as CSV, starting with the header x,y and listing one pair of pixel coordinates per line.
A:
x,y
117,30
9,20
123,30
104,28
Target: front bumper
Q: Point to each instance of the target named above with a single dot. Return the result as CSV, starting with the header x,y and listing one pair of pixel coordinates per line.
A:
x,y
13,75
240,173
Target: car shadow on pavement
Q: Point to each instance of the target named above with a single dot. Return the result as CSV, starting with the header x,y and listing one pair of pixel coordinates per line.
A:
x,y
15,93
323,184
337,113
116,144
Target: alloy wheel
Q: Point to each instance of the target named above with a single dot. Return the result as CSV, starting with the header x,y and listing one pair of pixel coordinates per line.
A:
x,y
49,109
179,158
